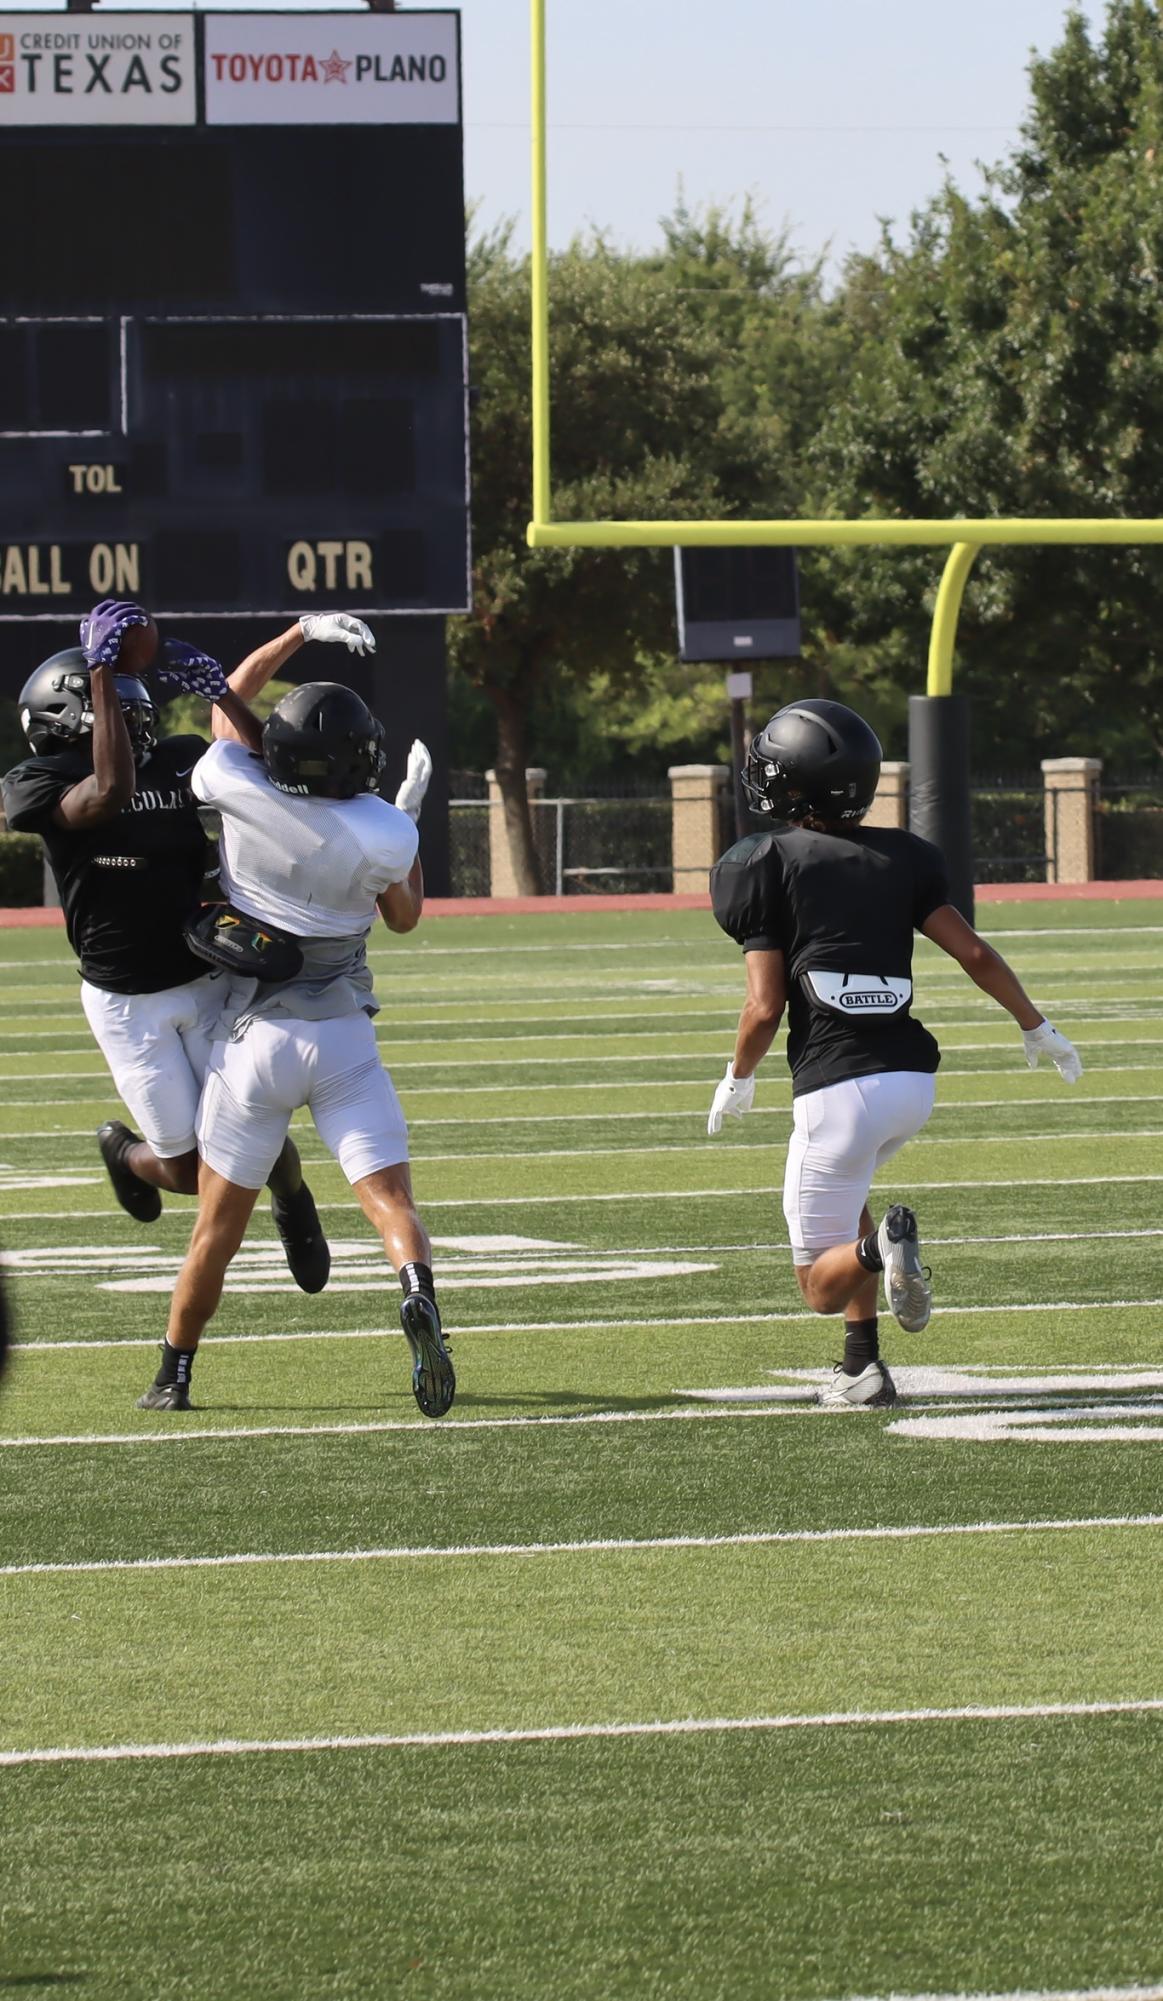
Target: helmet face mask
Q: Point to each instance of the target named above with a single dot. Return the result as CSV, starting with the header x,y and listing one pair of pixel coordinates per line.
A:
x,y
56,706
323,742
814,760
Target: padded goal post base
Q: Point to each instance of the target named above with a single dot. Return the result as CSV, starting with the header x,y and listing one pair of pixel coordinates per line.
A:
x,y
939,807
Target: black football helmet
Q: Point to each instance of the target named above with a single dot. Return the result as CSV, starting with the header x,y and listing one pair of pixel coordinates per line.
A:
x,y
814,758
322,740
56,706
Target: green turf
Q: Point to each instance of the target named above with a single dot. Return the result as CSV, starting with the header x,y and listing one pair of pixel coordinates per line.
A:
x,y
556,1072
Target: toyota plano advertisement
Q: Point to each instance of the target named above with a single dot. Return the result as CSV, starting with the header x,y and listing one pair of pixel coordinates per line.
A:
x,y
256,69
331,69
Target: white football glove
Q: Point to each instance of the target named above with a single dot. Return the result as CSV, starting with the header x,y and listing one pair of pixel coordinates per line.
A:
x,y
334,626
1046,1041
734,1096
410,796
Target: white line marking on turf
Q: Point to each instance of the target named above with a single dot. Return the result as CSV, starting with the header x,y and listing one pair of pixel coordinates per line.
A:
x,y
448,1428
754,1539
598,1055
688,1726
1030,1994
462,1329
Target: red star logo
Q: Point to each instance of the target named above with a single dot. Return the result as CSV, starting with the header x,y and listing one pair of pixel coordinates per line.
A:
x,y
335,68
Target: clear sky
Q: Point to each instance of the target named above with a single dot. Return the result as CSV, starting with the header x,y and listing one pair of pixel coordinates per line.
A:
x,y
831,113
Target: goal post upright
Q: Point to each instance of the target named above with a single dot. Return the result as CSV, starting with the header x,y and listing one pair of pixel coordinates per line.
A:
x,y
539,272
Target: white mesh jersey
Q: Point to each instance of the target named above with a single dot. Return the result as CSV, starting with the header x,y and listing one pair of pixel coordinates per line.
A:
x,y
313,866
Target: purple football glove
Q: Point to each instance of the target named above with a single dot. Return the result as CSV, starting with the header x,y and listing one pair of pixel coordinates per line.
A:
x,y
182,666
102,631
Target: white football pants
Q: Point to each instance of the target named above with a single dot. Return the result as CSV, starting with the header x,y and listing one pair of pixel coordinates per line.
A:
x,y
841,1135
158,1049
333,1067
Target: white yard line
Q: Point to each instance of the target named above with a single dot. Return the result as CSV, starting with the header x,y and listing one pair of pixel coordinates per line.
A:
x,y
460,1330
689,1726
653,1115
1030,1994
604,1545
571,1198
923,1142
711,1053
779,1083
174,1434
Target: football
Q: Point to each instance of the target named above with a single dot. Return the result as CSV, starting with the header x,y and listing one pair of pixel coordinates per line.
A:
x,y
139,646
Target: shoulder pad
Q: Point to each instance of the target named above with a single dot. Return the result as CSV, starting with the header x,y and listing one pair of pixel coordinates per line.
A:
x,y
746,888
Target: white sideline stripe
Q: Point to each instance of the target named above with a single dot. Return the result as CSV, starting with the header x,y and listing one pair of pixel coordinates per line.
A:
x,y
461,1330
689,1726
759,1538
1030,1994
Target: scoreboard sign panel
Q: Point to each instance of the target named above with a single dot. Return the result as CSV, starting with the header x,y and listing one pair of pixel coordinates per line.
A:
x,y
233,358
112,69
288,69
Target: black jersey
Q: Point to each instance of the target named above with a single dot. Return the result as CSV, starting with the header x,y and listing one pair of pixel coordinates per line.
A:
x,y
128,886
842,907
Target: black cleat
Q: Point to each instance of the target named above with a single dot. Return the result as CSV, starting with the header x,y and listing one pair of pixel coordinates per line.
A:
x,y
166,1396
433,1377
137,1197
907,1289
296,1219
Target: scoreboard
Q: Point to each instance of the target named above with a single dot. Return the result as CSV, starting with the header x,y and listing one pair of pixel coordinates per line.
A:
x,y
233,353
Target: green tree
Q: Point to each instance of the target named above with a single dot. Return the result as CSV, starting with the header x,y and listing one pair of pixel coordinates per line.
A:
x,y
1008,359
642,426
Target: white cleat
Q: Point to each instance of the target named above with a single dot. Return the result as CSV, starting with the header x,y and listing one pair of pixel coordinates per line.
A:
x,y
872,1389
906,1282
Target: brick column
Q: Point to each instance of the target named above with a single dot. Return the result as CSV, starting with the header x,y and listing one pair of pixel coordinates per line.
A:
x,y
890,808
502,881
1071,805
695,791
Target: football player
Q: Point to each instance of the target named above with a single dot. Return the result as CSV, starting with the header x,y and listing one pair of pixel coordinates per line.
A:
x,y
309,853
825,910
120,825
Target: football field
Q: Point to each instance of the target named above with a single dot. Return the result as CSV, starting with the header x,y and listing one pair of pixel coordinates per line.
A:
x,y
639,1675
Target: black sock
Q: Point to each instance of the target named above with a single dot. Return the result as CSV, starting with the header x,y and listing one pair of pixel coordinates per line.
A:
x,y
861,1345
418,1278
868,1252
177,1366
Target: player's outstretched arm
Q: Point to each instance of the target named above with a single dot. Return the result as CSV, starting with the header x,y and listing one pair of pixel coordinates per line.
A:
x,y
252,674
989,971
113,780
